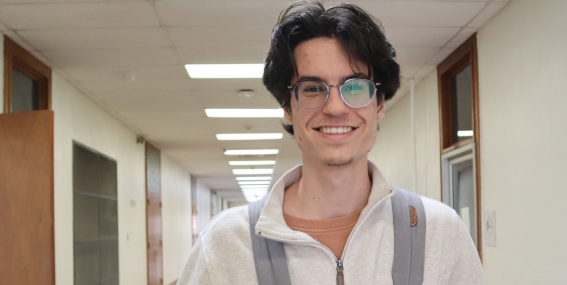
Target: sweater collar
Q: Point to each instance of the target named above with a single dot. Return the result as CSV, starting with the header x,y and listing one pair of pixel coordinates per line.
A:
x,y
271,222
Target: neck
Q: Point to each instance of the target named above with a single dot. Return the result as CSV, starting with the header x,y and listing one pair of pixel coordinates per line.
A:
x,y
328,191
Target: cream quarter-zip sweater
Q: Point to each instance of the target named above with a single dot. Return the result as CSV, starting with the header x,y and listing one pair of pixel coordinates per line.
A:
x,y
223,252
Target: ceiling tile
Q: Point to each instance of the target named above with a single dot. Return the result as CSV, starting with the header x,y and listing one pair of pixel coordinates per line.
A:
x,y
486,14
141,72
220,13
96,38
232,36
13,36
422,13
415,55
419,37
461,37
440,56
145,96
425,70
138,85
220,55
2,27
78,15
409,69
112,57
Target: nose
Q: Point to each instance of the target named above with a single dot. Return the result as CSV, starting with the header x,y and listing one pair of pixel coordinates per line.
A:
x,y
335,106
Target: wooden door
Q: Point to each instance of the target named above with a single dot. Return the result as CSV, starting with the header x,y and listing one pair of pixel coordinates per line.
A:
x,y
27,254
153,212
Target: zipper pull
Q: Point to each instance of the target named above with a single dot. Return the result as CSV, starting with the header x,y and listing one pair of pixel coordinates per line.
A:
x,y
340,276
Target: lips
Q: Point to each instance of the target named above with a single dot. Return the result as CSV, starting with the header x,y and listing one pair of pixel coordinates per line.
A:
x,y
335,130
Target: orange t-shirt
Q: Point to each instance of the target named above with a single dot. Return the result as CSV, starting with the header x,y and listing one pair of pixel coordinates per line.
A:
x,y
333,233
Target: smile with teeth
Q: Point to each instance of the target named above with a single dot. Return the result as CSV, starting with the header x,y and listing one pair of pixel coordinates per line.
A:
x,y
335,130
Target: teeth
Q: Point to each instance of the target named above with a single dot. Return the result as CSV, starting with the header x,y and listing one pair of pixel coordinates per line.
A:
x,y
335,130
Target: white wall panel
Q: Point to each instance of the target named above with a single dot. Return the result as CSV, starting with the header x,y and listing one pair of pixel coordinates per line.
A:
x,y
203,206
522,70
393,150
176,218
78,118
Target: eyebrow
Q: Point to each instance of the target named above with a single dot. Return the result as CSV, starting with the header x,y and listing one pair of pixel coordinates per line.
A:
x,y
317,78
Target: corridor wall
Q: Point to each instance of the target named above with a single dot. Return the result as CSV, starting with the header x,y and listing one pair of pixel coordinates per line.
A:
x,y
522,56
77,118
393,150
176,218
203,206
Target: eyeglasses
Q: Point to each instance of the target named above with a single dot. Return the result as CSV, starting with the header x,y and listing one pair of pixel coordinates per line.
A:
x,y
355,92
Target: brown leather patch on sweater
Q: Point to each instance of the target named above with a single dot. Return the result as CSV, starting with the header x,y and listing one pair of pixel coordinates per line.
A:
x,y
413,216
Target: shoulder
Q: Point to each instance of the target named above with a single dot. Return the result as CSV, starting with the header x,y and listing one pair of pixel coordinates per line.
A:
x,y
229,226
438,215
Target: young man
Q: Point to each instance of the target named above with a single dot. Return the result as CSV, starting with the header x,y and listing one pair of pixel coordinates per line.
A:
x,y
332,71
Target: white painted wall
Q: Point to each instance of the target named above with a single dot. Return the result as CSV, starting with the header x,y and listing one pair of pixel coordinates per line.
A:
x,y
78,118
522,55
203,206
1,73
176,218
393,150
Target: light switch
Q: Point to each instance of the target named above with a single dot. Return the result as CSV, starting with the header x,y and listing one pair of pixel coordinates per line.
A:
x,y
489,228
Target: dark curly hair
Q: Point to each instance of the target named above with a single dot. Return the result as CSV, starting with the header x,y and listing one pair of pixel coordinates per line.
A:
x,y
359,34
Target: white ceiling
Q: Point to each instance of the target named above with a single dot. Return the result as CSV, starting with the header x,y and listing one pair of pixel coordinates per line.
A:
x,y
99,45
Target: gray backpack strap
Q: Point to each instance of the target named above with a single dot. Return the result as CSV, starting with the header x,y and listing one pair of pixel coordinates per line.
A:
x,y
409,240
269,255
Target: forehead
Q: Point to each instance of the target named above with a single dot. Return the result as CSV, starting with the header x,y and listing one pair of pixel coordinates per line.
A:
x,y
325,58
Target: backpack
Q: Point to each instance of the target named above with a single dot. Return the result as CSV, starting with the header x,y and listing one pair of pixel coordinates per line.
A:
x,y
409,244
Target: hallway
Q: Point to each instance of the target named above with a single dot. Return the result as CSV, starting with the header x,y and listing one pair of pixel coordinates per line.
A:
x,y
142,150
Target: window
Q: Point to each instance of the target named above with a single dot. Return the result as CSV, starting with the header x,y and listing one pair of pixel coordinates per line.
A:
x,y
95,218
27,80
460,144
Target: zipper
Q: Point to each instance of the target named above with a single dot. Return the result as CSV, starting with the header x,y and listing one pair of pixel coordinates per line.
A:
x,y
339,262
340,275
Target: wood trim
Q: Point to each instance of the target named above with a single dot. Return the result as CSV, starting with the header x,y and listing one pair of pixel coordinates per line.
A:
x,y
16,56
465,54
155,198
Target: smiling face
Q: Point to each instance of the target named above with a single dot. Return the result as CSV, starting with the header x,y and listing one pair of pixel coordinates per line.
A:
x,y
333,134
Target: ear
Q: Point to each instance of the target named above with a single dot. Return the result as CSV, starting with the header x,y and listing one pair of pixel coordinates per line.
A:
x,y
287,116
381,110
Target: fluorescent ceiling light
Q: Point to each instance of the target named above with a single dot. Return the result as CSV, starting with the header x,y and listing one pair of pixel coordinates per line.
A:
x,y
250,151
252,162
254,182
464,134
255,70
254,178
252,171
244,113
255,193
239,137
253,186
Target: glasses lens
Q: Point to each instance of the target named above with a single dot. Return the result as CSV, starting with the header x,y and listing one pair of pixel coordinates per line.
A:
x,y
311,94
358,92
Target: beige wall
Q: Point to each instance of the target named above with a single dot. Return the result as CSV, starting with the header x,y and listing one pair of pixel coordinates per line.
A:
x,y
522,55
176,218
393,151
1,73
77,118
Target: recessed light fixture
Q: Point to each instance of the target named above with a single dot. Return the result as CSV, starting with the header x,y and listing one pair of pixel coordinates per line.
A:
x,y
464,134
254,182
255,70
240,137
252,162
244,113
250,151
254,178
252,171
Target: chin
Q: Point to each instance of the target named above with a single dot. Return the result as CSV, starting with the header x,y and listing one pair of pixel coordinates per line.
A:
x,y
339,161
